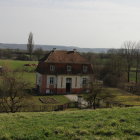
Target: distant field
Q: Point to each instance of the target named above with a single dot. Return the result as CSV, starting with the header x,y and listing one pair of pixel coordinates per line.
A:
x,y
16,64
30,77
29,73
133,76
101,124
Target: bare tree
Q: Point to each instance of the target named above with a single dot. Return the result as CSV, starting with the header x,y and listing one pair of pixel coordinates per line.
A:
x,y
30,45
137,58
113,72
129,52
97,93
12,91
38,53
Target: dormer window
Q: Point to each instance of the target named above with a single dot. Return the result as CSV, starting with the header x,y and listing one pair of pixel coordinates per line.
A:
x,y
69,68
52,68
85,68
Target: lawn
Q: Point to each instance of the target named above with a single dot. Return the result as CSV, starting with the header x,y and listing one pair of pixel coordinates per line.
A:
x,y
34,100
30,77
123,97
101,124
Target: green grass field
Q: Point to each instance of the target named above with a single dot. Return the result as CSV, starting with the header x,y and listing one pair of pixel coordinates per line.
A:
x,y
28,73
124,97
101,124
15,64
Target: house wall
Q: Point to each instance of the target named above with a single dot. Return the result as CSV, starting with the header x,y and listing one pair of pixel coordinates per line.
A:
x,y
59,85
38,79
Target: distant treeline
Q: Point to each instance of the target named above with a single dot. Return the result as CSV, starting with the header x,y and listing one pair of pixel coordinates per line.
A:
x,y
18,54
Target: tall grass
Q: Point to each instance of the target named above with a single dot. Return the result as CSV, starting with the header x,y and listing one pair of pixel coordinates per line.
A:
x,y
103,124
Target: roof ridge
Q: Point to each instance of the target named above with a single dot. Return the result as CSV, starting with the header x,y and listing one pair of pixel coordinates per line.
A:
x,y
49,55
64,56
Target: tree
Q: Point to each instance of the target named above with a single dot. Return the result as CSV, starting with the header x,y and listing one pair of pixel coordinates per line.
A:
x,y
128,52
113,72
137,58
97,93
12,91
30,45
38,53
92,97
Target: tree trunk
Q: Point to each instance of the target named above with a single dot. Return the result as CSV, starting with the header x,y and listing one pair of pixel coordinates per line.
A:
x,y
94,103
137,65
128,73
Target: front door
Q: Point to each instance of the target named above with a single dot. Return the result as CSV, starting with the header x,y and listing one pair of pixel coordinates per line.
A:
x,y
68,85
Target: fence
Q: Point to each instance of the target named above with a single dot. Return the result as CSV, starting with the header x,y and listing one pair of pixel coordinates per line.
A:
x,y
44,108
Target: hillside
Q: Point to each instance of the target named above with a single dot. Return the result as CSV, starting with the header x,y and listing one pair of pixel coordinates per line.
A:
x,y
50,47
101,124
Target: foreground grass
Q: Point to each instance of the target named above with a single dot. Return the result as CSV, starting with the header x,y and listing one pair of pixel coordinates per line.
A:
x,y
103,124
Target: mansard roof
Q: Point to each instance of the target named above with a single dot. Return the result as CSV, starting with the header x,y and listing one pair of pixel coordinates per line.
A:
x,y
62,56
60,59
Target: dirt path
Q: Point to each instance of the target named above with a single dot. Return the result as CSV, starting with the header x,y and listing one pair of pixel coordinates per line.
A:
x,y
74,98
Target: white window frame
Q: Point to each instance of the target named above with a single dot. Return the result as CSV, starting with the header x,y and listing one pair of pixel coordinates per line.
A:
x,y
69,68
52,68
85,68
84,81
51,80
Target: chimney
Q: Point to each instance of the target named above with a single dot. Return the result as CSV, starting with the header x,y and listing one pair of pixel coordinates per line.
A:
x,y
74,50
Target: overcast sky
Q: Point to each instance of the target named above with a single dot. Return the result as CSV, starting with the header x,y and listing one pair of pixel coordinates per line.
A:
x,y
82,23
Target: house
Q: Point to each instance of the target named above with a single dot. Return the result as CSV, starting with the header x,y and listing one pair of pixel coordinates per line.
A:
x,y
61,72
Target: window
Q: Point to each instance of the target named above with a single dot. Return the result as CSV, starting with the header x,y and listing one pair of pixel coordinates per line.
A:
x,y
52,68
68,80
85,69
68,68
51,80
51,91
84,81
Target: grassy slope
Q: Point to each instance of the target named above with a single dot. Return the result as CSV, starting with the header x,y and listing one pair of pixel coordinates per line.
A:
x,y
103,124
34,100
31,78
124,97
